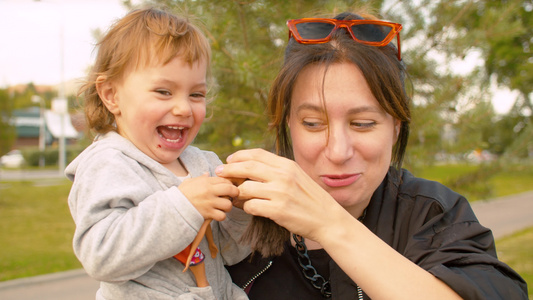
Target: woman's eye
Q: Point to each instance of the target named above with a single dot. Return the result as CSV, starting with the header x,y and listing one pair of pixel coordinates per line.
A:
x,y
363,125
311,124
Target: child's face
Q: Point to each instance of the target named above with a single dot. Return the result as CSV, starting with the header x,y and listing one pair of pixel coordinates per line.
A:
x,y
160,109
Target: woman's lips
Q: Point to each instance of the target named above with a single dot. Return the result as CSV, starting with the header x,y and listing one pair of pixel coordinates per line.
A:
x,y
339,180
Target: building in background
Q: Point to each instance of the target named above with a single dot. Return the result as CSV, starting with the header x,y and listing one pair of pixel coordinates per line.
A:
x,y
27,126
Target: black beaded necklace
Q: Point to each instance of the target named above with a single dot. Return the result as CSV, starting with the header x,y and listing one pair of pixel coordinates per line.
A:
x,y
318,281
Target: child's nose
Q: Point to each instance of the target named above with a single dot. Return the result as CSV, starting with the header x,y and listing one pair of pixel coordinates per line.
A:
x,y
181,107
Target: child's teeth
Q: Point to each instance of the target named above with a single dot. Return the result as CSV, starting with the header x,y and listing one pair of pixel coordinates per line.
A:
x,y
171,133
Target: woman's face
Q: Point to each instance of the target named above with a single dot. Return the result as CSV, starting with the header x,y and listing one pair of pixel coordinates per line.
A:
x,y
343,141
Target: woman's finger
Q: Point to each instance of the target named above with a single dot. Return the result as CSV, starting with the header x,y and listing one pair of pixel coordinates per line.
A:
x,y
258,207
258,155
258,170
242,171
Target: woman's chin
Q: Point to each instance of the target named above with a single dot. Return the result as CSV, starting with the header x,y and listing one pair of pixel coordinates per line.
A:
x,y
350,199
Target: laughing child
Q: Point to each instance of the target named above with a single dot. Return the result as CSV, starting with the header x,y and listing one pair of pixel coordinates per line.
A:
x,y
141,192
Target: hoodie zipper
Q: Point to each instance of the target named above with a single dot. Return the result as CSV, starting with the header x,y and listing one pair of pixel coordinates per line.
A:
x,y
257,275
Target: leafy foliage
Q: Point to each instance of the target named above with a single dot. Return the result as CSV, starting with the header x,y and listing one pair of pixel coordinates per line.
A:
x,y
7,132
503,31
450,107
248,40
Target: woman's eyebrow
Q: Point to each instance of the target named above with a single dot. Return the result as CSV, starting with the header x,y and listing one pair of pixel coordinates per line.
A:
x,y
366,108
308,106
353,110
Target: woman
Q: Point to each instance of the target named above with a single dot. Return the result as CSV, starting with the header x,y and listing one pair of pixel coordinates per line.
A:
x,y
360,225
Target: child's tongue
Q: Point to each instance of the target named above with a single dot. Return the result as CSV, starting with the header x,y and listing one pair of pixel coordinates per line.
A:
x,y
169,133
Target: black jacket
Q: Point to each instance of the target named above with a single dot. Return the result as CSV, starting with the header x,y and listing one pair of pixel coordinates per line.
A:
x,y
424,221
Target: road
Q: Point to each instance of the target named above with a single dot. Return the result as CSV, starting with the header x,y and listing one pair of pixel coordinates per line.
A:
x,y
504,216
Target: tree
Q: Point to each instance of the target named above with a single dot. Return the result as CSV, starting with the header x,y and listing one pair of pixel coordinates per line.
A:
x,y
502,30
504,132
439,93
248,39
7,131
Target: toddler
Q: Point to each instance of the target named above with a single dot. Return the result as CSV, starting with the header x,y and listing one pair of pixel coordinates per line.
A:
x,y
140,191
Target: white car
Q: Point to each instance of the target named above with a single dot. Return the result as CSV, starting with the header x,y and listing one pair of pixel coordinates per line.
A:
x,y
13,159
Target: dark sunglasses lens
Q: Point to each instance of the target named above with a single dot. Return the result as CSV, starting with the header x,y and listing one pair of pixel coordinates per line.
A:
x,y
371,32
314,30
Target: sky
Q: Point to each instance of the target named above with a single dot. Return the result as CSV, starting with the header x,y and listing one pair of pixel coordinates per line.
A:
x,y
35,33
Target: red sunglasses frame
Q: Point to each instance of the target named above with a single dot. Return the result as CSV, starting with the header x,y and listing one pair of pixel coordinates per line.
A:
x,y
395,31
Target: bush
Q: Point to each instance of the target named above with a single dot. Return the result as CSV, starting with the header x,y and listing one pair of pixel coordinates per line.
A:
x,y
51,155
477,183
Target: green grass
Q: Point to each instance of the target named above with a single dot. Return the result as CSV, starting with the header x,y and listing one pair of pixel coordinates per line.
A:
x,y
515,250
444,173
517,179
35,230
485,182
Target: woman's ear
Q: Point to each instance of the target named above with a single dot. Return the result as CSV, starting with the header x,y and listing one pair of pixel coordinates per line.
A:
x,y
397,128
107,92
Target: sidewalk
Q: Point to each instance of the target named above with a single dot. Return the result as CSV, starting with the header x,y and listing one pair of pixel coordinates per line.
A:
x,y
21,175
69,285
504,216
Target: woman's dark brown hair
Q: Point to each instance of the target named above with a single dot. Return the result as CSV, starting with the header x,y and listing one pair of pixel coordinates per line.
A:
x,y
385,76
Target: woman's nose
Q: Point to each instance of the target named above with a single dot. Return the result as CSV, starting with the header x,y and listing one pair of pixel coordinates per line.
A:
x,y
339,146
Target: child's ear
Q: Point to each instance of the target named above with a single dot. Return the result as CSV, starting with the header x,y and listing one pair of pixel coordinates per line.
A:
x,y
106,91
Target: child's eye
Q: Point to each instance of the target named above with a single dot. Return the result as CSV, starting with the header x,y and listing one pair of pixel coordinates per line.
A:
x,y
198,95
163,92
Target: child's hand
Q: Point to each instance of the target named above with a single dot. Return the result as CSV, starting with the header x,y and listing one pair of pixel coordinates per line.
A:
x,y
238,201
210,195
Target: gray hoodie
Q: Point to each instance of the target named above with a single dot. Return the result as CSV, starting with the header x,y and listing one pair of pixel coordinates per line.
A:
x,y
131,219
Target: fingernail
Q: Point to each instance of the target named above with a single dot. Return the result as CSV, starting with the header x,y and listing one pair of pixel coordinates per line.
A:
x,y
229,158
219,169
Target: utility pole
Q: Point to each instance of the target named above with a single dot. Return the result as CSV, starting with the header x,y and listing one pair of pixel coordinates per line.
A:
x,y
40,100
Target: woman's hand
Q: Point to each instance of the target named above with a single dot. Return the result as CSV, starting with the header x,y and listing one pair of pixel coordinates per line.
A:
x,y
210,195
280,190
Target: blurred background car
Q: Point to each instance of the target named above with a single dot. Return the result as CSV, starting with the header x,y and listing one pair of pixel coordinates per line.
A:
x,y
13,159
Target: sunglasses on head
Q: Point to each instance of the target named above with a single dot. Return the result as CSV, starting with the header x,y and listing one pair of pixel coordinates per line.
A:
x,y
369,32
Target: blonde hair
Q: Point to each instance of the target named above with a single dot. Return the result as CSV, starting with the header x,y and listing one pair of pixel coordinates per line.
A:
x,y
144,37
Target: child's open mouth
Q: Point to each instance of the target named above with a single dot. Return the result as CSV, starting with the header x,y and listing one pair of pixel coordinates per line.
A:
x,y
171,134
